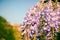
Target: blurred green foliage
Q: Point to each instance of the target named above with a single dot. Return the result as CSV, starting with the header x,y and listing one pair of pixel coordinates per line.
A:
x,y
6,31
57,36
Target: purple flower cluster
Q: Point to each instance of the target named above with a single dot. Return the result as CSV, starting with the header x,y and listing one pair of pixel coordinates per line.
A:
x,y
36,15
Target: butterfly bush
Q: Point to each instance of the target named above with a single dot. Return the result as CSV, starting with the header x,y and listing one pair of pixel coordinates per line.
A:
x,y
39,19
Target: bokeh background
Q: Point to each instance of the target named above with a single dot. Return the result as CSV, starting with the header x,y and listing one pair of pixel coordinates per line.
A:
x,y
15,10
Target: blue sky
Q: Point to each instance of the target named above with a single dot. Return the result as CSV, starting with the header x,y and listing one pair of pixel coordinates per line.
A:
x,y
15,10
